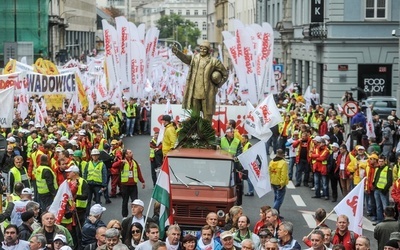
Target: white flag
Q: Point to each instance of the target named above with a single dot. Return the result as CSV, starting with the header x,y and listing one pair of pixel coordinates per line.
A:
x,y
255,161
370,124
59,205
6,107
352,206
168,111
39,118
252,126
266,114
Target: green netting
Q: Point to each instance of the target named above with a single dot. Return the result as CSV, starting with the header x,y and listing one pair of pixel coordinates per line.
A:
x,y
32,23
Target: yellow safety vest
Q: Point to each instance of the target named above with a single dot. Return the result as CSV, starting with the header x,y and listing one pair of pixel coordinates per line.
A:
x,y
41,183
94,173
382,181
230,148
18,177
131,111
125,172
81,203
152,152
246,146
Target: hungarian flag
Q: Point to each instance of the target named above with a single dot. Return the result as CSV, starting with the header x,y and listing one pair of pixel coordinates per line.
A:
x,y
162,194
352,206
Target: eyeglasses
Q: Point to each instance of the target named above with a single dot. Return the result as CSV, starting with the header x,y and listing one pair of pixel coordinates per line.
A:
x,y
135,231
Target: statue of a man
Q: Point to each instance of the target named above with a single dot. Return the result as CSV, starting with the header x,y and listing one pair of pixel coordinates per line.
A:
x,y
206,75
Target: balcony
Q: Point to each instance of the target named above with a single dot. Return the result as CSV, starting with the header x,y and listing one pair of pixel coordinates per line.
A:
x,y
315,31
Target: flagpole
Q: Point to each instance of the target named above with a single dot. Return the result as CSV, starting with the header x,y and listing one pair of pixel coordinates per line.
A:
x,y
319,224
147,216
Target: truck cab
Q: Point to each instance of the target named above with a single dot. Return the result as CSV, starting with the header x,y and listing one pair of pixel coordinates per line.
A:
x,y
202,181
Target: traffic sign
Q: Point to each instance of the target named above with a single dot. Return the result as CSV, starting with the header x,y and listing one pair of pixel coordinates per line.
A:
x,y
350,108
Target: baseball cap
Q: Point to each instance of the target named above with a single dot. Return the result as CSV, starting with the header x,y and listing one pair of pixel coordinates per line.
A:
x,y
60,237
63,138
11,139
38,125
95,151
51,141
318,138
360,148
31,123
82,132
72,168
390,117
138,202
225,234
27,191
326,137
59,149
73,143
228,130
335,145
97,209
395,236
113,142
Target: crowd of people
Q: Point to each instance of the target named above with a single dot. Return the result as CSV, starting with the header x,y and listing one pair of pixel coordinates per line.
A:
x,y
310,148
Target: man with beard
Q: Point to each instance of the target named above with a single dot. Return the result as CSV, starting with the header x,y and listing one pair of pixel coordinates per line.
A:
x,y
206,240
11,241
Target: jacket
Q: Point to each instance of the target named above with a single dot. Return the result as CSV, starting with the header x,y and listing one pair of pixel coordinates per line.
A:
x,y
320,160
169,139
383,230
278,172
58,229
89,231
349,239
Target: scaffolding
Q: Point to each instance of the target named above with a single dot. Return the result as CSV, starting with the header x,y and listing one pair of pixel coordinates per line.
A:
x,y
24,21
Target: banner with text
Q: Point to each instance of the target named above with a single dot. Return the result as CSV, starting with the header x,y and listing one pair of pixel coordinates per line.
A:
x,y
7,101
220,119
50,84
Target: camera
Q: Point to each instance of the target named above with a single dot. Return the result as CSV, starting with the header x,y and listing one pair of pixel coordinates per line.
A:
x,y
393,32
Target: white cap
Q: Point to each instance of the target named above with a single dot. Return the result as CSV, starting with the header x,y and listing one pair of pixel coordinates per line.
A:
x,y
82,132
73,143
31,123
63,138
360,147
60,237
72,168
390,117
138,202
11,139
59,132
70,151
51,141
326,137
27,191
38,125
286,101
335,145
95,151
97,209
59,149
318,138
65,248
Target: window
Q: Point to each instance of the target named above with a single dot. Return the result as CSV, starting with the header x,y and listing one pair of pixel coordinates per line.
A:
x,y
196,12
187,12
171,12
196,24
375,9
204,12
204,26
180,12
204,37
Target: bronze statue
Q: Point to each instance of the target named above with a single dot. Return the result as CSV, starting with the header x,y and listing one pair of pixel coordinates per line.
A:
x,y
206,75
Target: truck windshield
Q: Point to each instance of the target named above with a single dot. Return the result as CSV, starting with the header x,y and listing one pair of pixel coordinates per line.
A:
x,y
211,171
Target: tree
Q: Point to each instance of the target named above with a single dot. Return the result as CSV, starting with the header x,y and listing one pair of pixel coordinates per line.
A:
x,y
174,27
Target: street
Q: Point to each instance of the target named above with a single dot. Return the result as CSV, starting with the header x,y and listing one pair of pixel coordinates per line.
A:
x,y
298,206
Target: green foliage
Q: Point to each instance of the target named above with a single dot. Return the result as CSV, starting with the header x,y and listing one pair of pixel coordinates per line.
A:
x,y
175,27
196,132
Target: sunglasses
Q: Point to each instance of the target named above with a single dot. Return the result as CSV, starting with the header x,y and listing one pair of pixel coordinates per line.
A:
x,y
135,231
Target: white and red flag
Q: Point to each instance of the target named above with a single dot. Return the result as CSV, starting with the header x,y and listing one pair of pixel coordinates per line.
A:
x,y
59,205
352,206
266,115
370,124
255,161
39,118
7,101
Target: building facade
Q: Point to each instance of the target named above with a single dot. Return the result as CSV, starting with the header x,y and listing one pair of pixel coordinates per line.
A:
x,y
336,45
192,10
